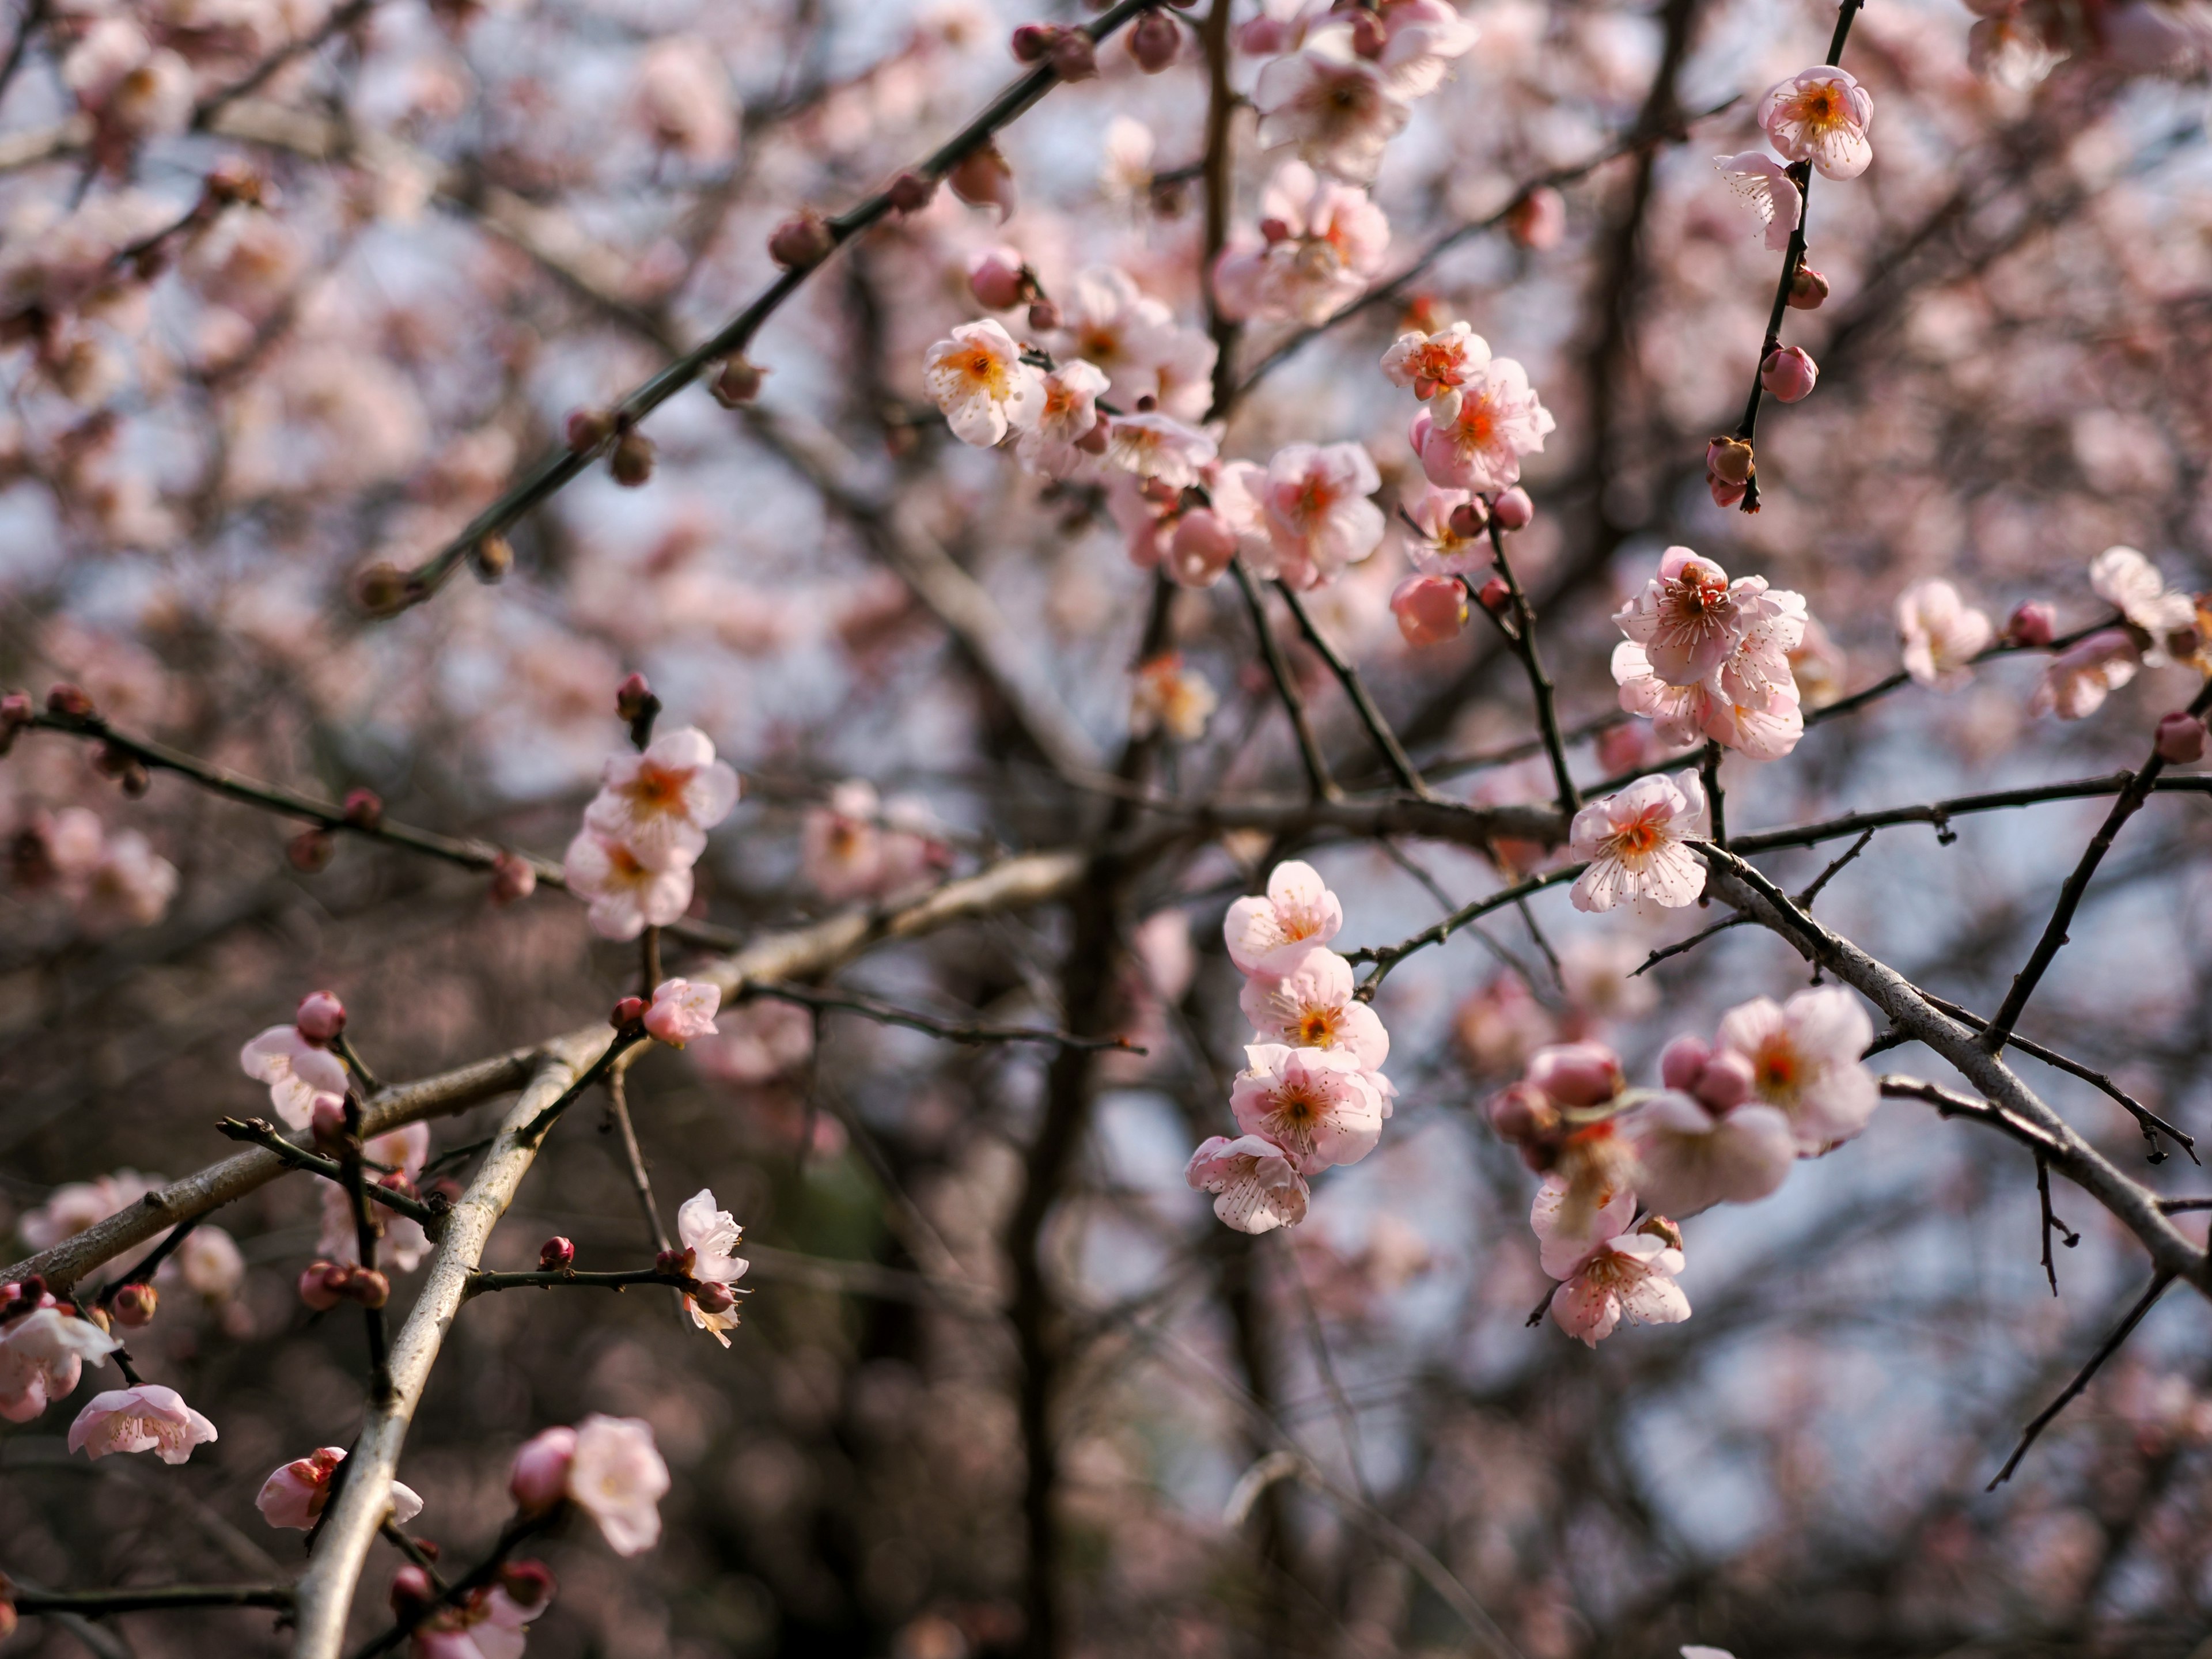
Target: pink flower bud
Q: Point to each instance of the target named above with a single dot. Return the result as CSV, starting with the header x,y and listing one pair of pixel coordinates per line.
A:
x,y
364,808
1044,317
1032,41
586,429
411,1589
1726,1082
1681,1061
133,1304
1263,37
2032,623
1725,493
1539,220
982,179
2180,738
677,1263
1094,442
1074,55
1513,509
321,1285
739,383
320,1016
367,1287
1789,374
910,193
1468,520
528,1584
801,241
1662,1229
632,462
1201,547
513,879
64,699
557,1255
1154,40
1729,459
996,277
1519,1113
627,1012
1430,609
713,1296
311,850
1495,596
1808,289
1577,1074
1369,37
631,697
326,1123
539,1476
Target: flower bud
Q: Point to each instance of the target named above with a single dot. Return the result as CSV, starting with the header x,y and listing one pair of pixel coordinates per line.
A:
x,y
1031,42
1730,460
677,1263
326,1124
528,1584
739,383
1681,1061
385,590
1577,1074
1093,443
801,241
513,879
713,1296
133,1304
8,1616
321,1285
364,808
1726,1082
1074,55
68,700
1725,493
2032,623
982,179
1662,1229
557,1255
311,850
1539,220
627,1012
1044,317
2180,738
1468,520
1154,40
129,773
910,193
587,430
1521,1114
631,697
1430,609
1513,509
320,1016
1369,37
1808,289
632,462
1789,373
367,1287
1202,549
1495,596
540,1477
411,1589
491,557
996,277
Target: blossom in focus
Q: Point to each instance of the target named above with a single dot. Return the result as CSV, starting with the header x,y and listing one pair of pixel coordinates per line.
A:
x,y
1943,633
681,92
1682,715
1319,1105
42,1355
977,377
2131,585
1690,1157
1312,1006
1066,415
1318,516
1804,1056
1431,364
1158,447
295,1070
1257,1184
1334,107
616,1474
1171,698
2076,681
682,1010
1633,842
1820,116
148,1418
295,1493
1270,934
627,893
1473,438
1450,543
1772,194
1628,1276
660,804
1123,332
712,1235
1319,245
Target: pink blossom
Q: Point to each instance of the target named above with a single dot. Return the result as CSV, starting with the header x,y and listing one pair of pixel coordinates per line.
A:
x,y
662,803
293,1495
1690,1158
1201,549
1066,418
1121,332
538,1478
2179,739
628,891
1943,633
977,377
295,1070
1312,1006
1172,698
489,1621
2131,585
1567,1230
1319,1105
1430,610
858,846
1772,194
1320,245
131,886
1805,1059
1682,715
210,1263
1628,1276
1477,434
1318,516
1338,109
1269,935
1576,1073
1689,618
148,1418
1431,364
1790,374
42,1355
683,99
1451,542
2078,680
1634,844
998,277
1158,447
1257,1183
1820,115
403,1243
1420,38
712,1235
617,1475
682,1011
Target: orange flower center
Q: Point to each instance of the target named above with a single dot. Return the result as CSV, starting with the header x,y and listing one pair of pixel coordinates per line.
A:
x,y
1317,1029
1638,837
656,788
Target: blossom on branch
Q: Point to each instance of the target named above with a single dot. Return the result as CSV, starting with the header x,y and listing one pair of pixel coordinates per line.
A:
x,y
628,891
682,1010
1158,447
147,1417
1319,519
2131,585
2076,681
1257,1184
1068,416
1319,245
977,377
1319,1105
1634,843
1172,698
42,1355
1338,109
1271,934
295,1493
1312,1006
1430,363
1691,1155
1472,437
1943,633
711,1236
295,1070
1804,1056
616,1475
1820,115
660,804
1629,1276
1765,185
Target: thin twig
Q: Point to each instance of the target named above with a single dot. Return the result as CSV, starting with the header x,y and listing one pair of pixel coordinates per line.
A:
x,y
1387,956
1804,901
951,1031
98,1604
479,1284
1524,640
2050,1220
624,1042
364,1230
1355,688
1322,785
2105,1350
514,1533
259,1132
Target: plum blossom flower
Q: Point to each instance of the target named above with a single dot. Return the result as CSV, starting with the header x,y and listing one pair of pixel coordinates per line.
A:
x,y
1628,1276
76,1205
1337,108
1804,1055
1319,1105
1566,1231
1420,39
682,1010
404,1150
1943,633
1108,322
1318,516
1257,1184
858,846
1682,715
683,99
977,377
1473,438
42,1355
148,1417
1450,543
1320,245
1430,610
662,803
1690,1158
1066,418
758,1042
2131,585
210,1263
1687,618
295,1070
1772,195
712,1235
1820,115
1271,934
1634,844
130,886
295,1493
1431,364
1158,447
1171,698
1312,1006
616,1474
2076,681
489,1622
628,891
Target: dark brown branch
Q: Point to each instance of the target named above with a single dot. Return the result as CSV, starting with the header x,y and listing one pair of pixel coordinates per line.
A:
x,y
624,1042
1387,956
515,1533
1524,640
364,1230
1356,688
259,1132
1940,813
2049,1221
1322,785
1218,169
951,1031
480,1283
1804,901
98,1604
2105,1350
1948,1103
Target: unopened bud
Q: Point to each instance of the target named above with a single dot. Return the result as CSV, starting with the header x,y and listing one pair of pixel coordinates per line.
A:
x,y
1808,289
1789,373
587,430
982,179
364,808
1495,596
1093,443
677,1263
633,697
627,1012
997,278
528,1584
1201,547
1577,1074
491,557
513,879
713,1296
385,590
1730,459
1520,1113
327,1125
1683,1061
1513,509
632,462
2180,738
739,383
1430,610
1044,317
2032,623
1154,40
128,771
133,1304
320,1016
557,1255
1031,42
910,193
1539,220
320,1286
1725,1081
411,1589
1369,37
1725,493
1467,520
1273,229
368,1287
1074,55
311,850
68,700
540,1477
801,241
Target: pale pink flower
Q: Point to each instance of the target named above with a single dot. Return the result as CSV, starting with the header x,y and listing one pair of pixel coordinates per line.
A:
x,y
1239,490
1436,547
75,1205
210,1263
1634,842
1269,934
1318,516
1337,108
682,1011
131,886
712,1235
1820,116
758,1042
662,803
1319,245
1473,438
1771,193
1202,548
1629,1276
1430,610
148,1417
1805,1059
1943,635
1125,163
1568,1228
295,1070
1688,618
2078,680
1760,733
42,1355
1312,1006
1171,698
1067,415
617,1475
1420,39
1756,673
627,892
681,96
1431,364
538,1477
977,377
1109,324
153,99
1690,1158
1159,447
489,1622
293,1495
2131,585
103,55
1319,1105
1257,1183
403,1243
858,846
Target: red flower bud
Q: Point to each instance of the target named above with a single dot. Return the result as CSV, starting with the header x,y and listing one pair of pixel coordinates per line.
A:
x,y
675,1262
1539,220
326,1124
367,1287
1808,289
1730,460
632,462
1154,40
311,850
631,697
320,1016
1031,42
1495,597
1074,55
2180,738
133,1304
800,241
1044,317
739,383
411,1588
982,179
587,430
1467,519
1789,374
364,808
910,193
557,1255
513,879
124,767
321,1287
627,1012
528,1584
713,1296
64,699
2032,623
1513,509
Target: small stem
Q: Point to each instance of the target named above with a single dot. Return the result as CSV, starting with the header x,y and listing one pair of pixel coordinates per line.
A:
x,y
262,1133
98,1604
346,1052
1524,640
885,1013
563,1279
1322,785
649,954
1709,767
413,1551
364,1231
624,1042
1356,688
517,1530
2105,1350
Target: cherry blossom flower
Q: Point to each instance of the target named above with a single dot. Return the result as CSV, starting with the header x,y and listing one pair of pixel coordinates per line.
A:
x,y
2131,585
1687,618
1690,1158
712,1235
1772,194
1202,548
1171,698
1318,516
1312,1006
1943,633
858,846
538,1477
1805,1060
1566,1231
403,1243
1820,115
1430,610
1257,1183
2076,681
977,377
1450,543
42,1355
662,803
616,1474
1319,1105
1106,320
1633,842
295,1493
682,1010
1337,108
1320,245
1066,418
1473,438
1125,163
683,99
1270,935
1158,447
627,892
1630,1275
1681,714
148,1418
1431,364
295,1070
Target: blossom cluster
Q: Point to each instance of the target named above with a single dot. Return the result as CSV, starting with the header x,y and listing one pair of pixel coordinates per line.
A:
x,y
1706,656
1312,1093
645,830
113,879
